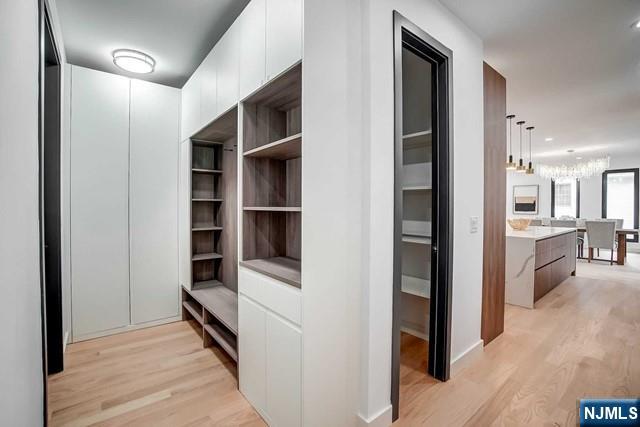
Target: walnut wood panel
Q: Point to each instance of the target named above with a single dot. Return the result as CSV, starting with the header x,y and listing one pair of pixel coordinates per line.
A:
x,y
228,244
493,268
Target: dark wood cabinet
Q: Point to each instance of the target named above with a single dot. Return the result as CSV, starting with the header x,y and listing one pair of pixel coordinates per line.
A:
x,y
555,262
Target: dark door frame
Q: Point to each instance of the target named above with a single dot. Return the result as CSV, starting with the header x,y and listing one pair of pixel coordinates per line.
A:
x,y
636,190
406,34
553,198
48,55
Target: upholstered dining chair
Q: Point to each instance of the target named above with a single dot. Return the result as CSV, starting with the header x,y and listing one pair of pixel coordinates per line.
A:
x,y
601,235
535,222
571,223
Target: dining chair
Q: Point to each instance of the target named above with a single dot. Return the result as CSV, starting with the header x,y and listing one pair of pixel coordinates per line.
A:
x,y
535,222
601,235
571,223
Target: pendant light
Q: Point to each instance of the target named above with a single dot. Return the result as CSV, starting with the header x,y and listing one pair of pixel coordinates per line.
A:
x,y
510,165
530,168
521,168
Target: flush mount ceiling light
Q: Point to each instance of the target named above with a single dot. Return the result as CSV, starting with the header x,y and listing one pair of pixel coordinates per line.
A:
x,y
133,61
636,25
548,139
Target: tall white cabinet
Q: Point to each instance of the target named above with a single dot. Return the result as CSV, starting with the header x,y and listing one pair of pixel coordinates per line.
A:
x,y
124,202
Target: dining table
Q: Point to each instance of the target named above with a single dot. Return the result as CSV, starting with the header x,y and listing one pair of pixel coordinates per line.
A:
x,y
621,235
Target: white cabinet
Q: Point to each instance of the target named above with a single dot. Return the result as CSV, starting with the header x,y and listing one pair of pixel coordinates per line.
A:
x,y
226,58
252,349
184,214
99,201
270,347
284,372
191,95
153,198
252,47
124,202
283,35
208,89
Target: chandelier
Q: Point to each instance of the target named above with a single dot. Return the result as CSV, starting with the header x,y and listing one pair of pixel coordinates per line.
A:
x,y
577,171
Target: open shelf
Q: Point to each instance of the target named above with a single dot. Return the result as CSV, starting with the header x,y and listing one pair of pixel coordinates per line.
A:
x,y
226,340
420,240
273,208
206,200
205,284
222,303
416,228
416,286
210,171
194,309
416,139
286,148
416,188
280,268
206,143
207,228
203,257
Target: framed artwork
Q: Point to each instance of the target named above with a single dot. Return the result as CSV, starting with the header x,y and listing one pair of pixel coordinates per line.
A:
x,y
525,199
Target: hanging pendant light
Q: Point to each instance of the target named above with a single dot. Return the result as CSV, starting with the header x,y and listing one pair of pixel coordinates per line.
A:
x,y
521,168
530,168
510,165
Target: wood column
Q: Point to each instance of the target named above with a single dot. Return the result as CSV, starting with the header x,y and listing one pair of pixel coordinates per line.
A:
x,y
495,154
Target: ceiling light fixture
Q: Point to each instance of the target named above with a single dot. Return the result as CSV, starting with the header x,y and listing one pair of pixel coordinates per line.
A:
x,y
548,139
579,170
521,167
510,165
133,61
530,168
636,25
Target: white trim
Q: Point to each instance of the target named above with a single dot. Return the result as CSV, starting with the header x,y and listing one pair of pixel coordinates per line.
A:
x,y
127,328
466,358
415,332
382,418
65,341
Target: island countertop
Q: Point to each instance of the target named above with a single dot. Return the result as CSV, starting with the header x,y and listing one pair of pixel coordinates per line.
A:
x,y
538,233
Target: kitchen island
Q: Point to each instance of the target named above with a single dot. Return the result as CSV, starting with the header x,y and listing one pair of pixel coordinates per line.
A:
x,y
537,260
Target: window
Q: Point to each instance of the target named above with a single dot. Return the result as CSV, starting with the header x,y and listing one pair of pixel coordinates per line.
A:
x,y
565,198
620,197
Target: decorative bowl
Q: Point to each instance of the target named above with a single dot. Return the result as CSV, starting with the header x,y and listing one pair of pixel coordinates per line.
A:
x,y
519,223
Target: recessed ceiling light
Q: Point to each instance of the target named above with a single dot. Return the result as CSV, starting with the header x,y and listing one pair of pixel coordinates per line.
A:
x,y
549,139
636,25
571,150
578,158
133,61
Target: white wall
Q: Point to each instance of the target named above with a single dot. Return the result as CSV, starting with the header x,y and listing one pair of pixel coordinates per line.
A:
x,y
378,105
21,387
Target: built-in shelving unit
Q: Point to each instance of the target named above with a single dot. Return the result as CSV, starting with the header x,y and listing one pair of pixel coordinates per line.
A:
x,y
212,299
272,168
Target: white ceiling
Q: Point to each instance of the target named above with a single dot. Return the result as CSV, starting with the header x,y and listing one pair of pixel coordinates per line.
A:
x,y
178,34
572,70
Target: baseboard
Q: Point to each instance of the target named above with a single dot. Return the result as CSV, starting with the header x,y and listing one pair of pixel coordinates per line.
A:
x,y
65,341
128,328
415,332
466,358
383,418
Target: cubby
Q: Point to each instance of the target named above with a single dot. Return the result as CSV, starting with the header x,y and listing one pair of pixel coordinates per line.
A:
x,y
272,176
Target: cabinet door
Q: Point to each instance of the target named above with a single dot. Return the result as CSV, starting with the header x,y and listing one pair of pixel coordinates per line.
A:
x,y
252,352
99,201
226,57
252,47
191,106
184,215
209,93
284,372
154,149
283,35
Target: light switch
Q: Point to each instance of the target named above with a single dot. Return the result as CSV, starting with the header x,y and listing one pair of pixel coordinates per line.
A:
x,y
473,224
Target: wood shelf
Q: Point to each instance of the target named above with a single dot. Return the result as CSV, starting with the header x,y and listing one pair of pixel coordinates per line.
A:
x,y
204,284
416,139
282,149
273,208
284,269
223,338
416,286
207,228
193,309
420,240
221,302
207,256
417,188
209,171
206,200
205,143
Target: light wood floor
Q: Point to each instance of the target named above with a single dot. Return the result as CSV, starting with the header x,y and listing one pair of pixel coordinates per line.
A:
x,y
581,340
159,376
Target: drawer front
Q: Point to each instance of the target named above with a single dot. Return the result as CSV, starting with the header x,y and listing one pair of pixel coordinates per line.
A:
x,y
277,296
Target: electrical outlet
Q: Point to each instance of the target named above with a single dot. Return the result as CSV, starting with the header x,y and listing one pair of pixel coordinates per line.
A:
x,y
473,224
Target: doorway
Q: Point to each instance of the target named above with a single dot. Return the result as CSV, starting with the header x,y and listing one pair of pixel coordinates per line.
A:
x,y
423,211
